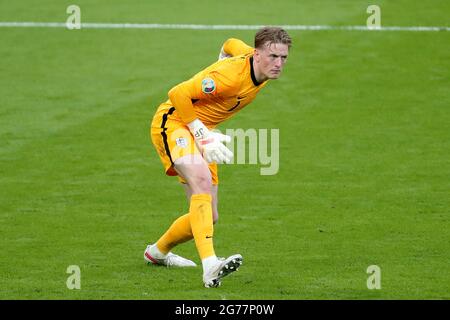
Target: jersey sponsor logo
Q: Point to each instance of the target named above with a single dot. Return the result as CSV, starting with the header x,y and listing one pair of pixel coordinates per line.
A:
x,y
208,85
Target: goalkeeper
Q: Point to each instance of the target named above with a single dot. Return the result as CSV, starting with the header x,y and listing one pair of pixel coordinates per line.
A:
x,y
181,131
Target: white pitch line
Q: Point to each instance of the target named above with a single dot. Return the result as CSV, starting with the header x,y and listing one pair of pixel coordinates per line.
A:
x,y
90,25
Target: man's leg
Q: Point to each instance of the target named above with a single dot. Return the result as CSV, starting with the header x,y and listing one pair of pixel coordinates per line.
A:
x,y
180,231
214,194
159,253
176,147
198,177
198,189
195,171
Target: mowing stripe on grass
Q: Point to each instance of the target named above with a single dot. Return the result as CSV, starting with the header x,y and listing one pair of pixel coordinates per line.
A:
x,y
90,25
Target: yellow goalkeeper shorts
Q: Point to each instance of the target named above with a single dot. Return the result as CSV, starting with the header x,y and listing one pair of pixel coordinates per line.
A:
x,y
173,140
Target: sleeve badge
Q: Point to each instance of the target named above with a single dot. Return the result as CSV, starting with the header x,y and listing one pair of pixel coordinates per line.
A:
x,y
208,85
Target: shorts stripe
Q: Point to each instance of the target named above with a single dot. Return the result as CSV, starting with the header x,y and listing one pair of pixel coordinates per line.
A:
x,y
164,134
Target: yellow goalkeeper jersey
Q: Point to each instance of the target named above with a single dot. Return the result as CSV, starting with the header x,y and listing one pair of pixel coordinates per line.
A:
x,y
216,93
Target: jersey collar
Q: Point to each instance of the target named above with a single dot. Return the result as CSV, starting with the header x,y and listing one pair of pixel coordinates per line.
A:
x,y
252,73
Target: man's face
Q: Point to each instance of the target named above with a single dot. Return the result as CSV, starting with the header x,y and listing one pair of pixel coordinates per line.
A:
x,y
271,59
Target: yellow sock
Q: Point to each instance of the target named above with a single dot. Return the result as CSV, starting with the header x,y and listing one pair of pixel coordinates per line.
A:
x,y
200,214
179,232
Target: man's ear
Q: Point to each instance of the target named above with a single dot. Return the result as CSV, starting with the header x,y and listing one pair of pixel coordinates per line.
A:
x,y
256,55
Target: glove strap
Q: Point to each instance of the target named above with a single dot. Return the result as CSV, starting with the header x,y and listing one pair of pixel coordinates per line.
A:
x,y
198,129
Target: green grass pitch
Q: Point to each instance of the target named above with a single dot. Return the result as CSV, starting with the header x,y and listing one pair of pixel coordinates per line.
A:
x,y
364,179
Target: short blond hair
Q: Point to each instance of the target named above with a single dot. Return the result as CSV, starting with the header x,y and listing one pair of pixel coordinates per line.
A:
x,y
272,35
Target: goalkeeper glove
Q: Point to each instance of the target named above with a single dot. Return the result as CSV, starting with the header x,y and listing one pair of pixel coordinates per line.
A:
x,y
223,55
210,144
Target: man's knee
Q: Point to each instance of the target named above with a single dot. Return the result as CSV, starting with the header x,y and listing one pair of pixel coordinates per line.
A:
x,y
198,176
201,183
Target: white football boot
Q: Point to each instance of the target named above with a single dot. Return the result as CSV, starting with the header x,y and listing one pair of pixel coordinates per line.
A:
x,y
224,267
170,260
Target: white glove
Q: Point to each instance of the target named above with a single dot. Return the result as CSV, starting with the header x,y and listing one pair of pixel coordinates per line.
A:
x,y
210,143
223,55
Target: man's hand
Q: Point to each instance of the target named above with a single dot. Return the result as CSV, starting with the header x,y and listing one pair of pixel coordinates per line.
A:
x,y
210,144
212,148
223,55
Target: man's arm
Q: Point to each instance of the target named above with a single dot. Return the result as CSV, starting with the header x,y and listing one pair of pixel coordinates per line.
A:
x,y
180,97
209,143
234,47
